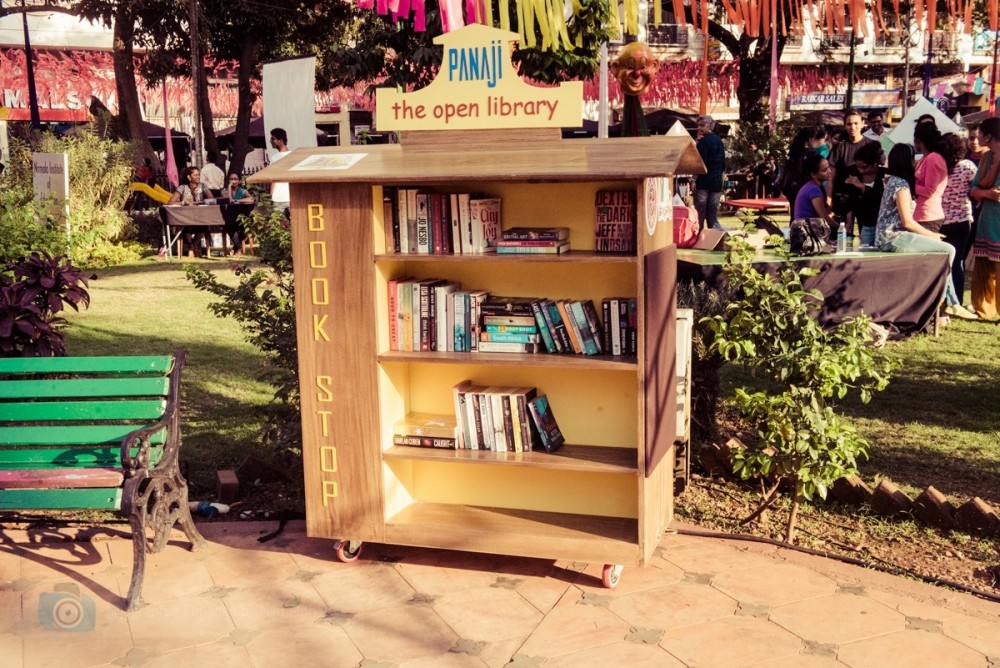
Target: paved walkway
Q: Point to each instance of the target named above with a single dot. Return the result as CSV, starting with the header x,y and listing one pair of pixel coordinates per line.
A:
x,y
701,602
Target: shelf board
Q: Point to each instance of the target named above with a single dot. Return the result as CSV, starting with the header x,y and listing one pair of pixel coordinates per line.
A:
x,y
590,459
529,533
602,362
571,256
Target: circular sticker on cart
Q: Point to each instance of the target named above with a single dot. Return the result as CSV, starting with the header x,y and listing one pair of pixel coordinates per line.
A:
x,y
651,205
658,203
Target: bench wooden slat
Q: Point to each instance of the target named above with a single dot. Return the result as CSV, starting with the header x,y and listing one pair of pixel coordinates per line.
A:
x,y
43,458
61,478
44,411
103,434
84,388
158,365
61,499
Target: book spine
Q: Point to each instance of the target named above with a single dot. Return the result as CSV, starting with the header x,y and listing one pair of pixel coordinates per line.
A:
x,y
606,310
437,224
515,422
387,220
525,234
533,250
475,420
415,321
508,423
411,218
571,328
594,324
529,434
405,294
459,399
489,308
423,441
465,222
536,307
511,329
499,426
486,421
500,337
393,315
404,223
623,325
508,320
425,316
476,300
528,243
424,242
550,325
491,347
633,327
456,224
460,332
583,328
559,327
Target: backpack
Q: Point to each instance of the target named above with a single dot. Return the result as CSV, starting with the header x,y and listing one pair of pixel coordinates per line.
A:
x,y
808,236
686,226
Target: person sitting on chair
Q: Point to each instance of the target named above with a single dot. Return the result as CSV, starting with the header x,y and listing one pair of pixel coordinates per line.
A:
x,y
236,194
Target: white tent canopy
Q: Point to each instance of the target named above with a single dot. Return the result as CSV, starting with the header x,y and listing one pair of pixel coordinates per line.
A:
x,y
903,132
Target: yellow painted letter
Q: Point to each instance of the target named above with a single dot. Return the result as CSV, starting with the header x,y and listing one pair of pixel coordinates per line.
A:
x,y
328,459
329,491
318,333
317,254
314,213
323,383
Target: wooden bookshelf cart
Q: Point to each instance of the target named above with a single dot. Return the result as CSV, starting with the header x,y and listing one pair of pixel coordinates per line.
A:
x,y
606,496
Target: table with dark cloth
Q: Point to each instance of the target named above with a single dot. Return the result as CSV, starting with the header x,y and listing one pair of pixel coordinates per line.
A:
x,y
898,290
202,217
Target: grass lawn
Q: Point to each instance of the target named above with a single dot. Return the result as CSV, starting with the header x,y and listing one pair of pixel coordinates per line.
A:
x,y
150,308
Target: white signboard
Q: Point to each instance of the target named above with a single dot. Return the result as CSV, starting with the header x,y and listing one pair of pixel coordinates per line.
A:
x,y
51,180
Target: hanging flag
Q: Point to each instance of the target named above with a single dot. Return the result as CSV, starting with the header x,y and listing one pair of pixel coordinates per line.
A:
x,y
171,165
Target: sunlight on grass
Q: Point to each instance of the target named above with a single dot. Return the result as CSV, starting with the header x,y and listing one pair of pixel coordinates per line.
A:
x,y
150,308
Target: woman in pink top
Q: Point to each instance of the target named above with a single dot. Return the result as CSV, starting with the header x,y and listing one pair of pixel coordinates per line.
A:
x,y
932,176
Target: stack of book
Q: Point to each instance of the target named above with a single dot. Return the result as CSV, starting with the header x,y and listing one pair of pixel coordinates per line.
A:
x,y
569,326
509,325
503,419
430,223
547,240
621,326
426,430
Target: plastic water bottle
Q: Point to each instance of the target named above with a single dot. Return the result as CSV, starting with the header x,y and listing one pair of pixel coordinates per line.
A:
x,y
207,509
842,238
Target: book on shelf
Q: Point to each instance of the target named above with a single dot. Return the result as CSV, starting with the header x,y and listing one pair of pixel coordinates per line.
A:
x,y
390,219
411,219
572,330
485,221
454,221
504,337
525,431
615,221
427,424
508,306
557,249
402,220
530,243
535,234
424,241
511,329
460,397
595,325
499,422
582,326
437,224
476,299
395,318
465,222
491,347
444,317
542,325
511,320
620,325
548,430
557,326
494,417
424,441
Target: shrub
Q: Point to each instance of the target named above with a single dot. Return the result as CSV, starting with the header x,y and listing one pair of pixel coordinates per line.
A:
x,y
32,291
263,303
26,226
770,327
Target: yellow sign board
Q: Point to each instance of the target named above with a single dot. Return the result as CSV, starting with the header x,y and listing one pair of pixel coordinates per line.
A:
x,y
478,88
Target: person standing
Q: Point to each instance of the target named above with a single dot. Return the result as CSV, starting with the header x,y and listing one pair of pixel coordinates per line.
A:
x,y
212,176
931,176
280,198
876,126
708,186
870,184
843,197
958,207
986,247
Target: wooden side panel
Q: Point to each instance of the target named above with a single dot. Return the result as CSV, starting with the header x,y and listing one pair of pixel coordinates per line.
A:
x,y
335,321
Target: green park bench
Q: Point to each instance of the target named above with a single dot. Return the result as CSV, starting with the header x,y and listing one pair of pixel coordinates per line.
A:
x,y
97,433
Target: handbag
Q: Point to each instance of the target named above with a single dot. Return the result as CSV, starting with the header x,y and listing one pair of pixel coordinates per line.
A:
x,y
808,236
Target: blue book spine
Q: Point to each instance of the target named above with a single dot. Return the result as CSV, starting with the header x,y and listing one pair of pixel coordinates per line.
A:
x,y
543,329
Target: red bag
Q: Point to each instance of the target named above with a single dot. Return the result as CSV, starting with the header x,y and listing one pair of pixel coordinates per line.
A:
x,y
686,226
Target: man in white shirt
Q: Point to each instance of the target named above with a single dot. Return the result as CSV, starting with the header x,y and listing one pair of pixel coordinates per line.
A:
x,y
876,126
212,176
279,189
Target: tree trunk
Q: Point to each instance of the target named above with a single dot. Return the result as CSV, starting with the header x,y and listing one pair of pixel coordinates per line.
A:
x,y
241,137
129,109
207,125
755,81
793,514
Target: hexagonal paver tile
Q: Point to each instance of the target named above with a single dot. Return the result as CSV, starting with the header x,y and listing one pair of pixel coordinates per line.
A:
x,y
979,634
541,592
857,618
217,655
362,588
233,567
619,654
774,584
275,604
179,623
108,640
442,576
571,627
714,557
905,649
633,579
306,645
673,606
487,614
731,642
911,607
400,633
